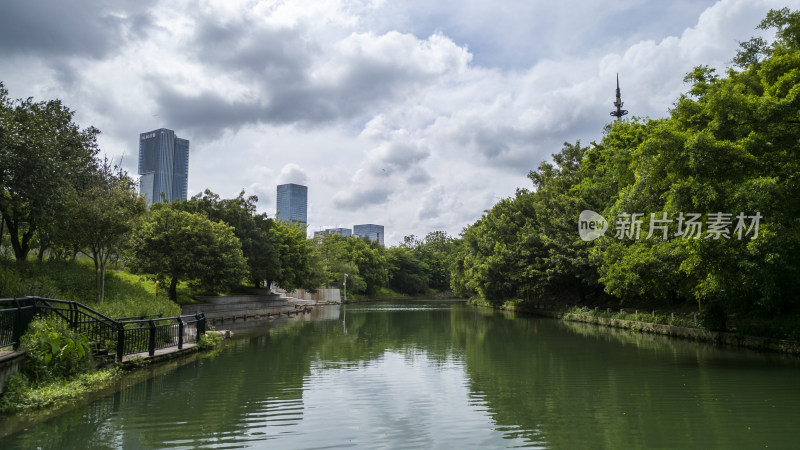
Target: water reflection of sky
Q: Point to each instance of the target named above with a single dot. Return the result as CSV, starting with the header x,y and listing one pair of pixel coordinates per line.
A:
x,y
399,399
426,376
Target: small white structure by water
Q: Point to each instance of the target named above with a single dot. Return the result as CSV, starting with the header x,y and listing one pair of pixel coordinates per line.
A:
x,y
321,296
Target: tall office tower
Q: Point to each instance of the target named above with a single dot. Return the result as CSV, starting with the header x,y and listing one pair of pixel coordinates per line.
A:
x,y
293,203
371,231
163,165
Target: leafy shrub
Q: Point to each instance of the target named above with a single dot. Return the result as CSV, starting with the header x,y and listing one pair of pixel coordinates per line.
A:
x,y
713,317
54,351
20,396
209,339
14,391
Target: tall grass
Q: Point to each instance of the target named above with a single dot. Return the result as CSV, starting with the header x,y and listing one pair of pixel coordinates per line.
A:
x,y
677,319
126,294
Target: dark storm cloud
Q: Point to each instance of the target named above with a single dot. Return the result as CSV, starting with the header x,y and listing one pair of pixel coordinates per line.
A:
x,y
209,114
87,28
419,176
364,87
293,77
391,157
205,114
278,54
521,148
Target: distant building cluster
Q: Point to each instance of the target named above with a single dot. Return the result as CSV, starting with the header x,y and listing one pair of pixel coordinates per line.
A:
x,y
164,170
292,206
368,230
163,166
340,231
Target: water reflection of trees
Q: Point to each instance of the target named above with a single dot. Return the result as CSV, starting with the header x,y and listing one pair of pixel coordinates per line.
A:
x,y
560,385
584,387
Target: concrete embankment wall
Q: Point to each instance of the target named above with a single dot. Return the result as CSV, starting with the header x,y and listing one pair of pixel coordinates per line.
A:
x,y
695,334
321,295
217,309
10,364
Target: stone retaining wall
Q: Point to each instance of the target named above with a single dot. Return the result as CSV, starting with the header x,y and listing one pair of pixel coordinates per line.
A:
x,y
10,364
695,334
322,295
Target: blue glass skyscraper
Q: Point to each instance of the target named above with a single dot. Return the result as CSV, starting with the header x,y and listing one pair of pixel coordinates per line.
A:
x,y
293,203
163,166
370,231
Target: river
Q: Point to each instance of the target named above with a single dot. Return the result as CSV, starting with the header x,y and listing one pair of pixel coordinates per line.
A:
x,y
441,374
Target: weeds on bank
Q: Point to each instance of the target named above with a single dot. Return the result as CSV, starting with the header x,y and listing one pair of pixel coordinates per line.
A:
x,y
20,395
58,368
676,319
210,339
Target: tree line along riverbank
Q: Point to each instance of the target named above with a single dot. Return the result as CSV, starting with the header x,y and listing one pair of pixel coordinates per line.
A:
x,y
691,326
694,212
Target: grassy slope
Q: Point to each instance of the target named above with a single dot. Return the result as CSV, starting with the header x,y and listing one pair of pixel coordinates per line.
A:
x,y
125,294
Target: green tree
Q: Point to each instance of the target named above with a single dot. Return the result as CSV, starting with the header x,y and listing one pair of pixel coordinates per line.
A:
x,y
43,156
298,266
256,232
730,145
265,258
407,274
333,253
183,246
436,251
103,216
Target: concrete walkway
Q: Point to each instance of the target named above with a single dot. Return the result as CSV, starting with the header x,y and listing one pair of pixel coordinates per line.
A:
x,y
160,353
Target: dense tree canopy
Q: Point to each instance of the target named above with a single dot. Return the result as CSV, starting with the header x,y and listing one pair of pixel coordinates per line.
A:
x,y
713,189
102,218
44,157
57,196
363,262
256,232
179,245
299,267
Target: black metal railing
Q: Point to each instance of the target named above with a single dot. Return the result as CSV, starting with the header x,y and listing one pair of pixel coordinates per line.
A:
x,y
118,336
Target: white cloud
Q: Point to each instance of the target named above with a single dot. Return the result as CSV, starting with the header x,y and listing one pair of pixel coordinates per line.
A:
x,y
415,115
292,173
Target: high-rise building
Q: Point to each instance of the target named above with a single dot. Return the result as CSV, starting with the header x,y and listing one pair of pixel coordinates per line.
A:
x,y
371,231
346,232
293,203
163,166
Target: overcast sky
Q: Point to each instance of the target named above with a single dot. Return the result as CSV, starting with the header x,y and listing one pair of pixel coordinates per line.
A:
x,y
416,115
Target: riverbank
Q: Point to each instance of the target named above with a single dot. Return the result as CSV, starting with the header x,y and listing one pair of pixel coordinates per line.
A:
x,y
21,397
46,401
79,392
697,334
446,295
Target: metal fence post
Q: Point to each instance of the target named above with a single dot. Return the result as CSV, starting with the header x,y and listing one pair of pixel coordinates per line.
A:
x,y
25,315
73,316
152,346
18,328
201,324
120,341
180,333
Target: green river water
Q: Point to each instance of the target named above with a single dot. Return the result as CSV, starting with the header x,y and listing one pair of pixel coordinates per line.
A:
x,y
441,374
